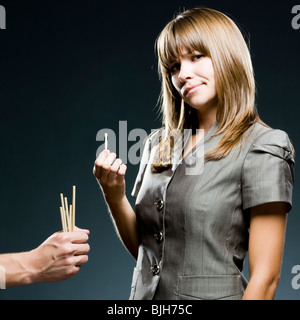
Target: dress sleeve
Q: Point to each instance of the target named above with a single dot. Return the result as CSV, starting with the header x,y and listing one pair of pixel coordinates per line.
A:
x,y
268,170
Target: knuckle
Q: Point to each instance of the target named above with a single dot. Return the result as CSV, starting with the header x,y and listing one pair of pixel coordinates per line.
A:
x,y
67,250
62,237
105,166
71,271
97,163
113,169
124,167
110,184
119,161
68,262
84,236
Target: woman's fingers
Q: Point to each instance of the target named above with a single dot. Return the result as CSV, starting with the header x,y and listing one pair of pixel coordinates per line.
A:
x,y
109,160
108,167
99,162
103,164
114,171
122,171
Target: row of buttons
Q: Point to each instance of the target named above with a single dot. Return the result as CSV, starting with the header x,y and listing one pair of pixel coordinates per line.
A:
x,y
158,236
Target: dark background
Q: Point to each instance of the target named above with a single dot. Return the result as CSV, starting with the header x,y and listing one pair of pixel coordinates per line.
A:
x,y
71,68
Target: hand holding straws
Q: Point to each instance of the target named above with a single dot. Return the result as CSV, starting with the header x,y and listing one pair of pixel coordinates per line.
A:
x,y
68,214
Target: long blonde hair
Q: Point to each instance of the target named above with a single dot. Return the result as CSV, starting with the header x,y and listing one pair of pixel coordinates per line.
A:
x,y
215,35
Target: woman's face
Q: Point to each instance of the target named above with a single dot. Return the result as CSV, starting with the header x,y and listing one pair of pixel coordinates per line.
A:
x,y
194,78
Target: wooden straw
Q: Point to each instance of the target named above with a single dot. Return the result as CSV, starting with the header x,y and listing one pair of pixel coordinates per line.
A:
x,y
62,201
105,141
71,218
67,214
63,213
63,219
73,208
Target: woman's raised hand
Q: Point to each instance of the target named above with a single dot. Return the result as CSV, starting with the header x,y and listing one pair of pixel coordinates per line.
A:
x,y
110,174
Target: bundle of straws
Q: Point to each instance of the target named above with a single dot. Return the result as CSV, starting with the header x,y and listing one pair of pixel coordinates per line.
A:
x,y
67,213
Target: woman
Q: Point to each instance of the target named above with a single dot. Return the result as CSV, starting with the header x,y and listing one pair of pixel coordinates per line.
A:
x,y
190,233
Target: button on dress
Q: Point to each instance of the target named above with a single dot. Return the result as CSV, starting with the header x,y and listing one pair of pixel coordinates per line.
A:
x,y
194,228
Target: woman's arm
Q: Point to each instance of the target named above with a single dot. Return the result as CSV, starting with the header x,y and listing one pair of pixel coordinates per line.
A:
x,y
266,244
110,174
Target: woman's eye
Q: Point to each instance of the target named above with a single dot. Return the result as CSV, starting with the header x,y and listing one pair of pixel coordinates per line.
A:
x,y
175,67
197,56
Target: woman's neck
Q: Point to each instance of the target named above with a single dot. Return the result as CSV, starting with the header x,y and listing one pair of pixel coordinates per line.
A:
x,y
206,120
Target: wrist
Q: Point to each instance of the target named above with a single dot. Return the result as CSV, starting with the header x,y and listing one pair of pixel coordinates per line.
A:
x,y
19,270
29,270
117,203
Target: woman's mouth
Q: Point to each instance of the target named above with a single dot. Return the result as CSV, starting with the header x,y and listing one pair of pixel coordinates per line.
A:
x,y
191,89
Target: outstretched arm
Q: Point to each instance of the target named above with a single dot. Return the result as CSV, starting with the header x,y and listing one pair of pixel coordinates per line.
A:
x,y
58,258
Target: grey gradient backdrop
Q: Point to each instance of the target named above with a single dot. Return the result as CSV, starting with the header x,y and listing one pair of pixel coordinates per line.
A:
x,y
71,68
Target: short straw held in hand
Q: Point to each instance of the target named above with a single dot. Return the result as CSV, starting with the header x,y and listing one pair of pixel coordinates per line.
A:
x,y
105,141
67,214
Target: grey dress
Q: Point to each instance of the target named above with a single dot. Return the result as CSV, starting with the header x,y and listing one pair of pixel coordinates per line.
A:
x,y
193,229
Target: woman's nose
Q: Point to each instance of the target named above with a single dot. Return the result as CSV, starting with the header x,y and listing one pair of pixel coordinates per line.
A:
x,y
185,73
